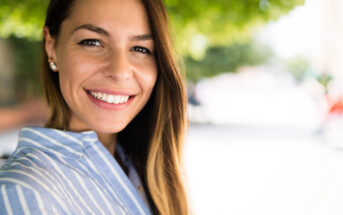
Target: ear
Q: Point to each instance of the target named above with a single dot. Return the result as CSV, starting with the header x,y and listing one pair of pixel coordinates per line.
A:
x,y
49,46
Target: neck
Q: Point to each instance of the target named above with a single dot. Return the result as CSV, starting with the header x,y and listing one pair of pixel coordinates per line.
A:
x,y
108,140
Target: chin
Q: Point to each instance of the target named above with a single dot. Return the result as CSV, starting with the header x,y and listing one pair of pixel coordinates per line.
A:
x,y
109,128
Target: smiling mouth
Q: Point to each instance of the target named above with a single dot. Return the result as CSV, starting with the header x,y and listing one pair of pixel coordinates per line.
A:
x,y
110,98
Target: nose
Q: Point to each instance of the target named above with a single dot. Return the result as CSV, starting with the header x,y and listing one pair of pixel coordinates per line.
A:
x,y
119,68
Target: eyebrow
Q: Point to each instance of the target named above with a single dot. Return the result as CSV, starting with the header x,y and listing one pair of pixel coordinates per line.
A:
x,y
141,37
93,28
99,30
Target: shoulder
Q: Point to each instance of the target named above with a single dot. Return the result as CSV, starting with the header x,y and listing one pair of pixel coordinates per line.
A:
x,y
19,198
29,170
23,166
25,185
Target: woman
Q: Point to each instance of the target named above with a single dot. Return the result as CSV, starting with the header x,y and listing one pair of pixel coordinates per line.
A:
x,y
114,139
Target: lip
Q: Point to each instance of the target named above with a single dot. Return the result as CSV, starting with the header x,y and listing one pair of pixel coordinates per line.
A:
x,y
113,92
108,106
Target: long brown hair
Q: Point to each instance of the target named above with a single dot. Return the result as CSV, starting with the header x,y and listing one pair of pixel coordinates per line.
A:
x,y
154,138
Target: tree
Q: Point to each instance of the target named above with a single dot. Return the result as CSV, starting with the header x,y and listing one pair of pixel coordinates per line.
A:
x,y
200,24
222,59
22,18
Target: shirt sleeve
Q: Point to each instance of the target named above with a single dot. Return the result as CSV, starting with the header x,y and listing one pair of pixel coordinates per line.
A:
x,y
18,200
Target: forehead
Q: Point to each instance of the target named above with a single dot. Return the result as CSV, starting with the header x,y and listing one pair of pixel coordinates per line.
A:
x,y
110,14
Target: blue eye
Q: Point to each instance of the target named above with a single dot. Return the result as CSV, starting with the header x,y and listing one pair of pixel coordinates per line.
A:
x,y
141,50
90,42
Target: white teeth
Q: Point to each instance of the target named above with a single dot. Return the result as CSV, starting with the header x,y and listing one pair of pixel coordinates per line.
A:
x,y
112,99
126,99
121,99
116,99
104,97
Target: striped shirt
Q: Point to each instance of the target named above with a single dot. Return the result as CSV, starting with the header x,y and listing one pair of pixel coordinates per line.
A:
x,y
61,172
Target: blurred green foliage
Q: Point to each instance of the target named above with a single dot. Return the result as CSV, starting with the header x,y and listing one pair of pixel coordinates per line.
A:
x,y
219,59
324,79
222,22
299,67
22,18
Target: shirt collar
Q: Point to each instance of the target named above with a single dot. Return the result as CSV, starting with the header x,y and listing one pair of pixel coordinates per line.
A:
x,y
62,143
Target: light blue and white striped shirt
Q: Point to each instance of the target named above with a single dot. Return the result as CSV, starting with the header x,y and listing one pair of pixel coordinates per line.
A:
x,y
61,172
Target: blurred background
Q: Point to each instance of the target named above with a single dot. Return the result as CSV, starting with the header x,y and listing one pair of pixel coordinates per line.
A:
x,y
265,87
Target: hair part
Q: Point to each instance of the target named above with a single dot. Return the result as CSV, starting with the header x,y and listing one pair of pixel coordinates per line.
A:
x,y
154,138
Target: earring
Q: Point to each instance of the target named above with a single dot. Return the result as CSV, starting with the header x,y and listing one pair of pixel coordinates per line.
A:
x,y
53,66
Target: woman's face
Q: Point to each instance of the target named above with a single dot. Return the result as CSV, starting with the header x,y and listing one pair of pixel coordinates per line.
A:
x,y
106,64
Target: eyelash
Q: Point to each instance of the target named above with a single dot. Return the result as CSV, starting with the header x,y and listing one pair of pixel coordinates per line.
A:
x,y
90,43
141,50
97,43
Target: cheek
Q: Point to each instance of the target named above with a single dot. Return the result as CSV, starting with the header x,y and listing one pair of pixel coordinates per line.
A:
x,y
149,81
73,72
147,77
69,77
76,68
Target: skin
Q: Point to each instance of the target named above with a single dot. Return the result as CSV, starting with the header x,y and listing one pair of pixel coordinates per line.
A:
x,y
120,57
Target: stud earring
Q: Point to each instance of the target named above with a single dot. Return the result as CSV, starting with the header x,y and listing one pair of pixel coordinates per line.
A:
x,y
53,66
